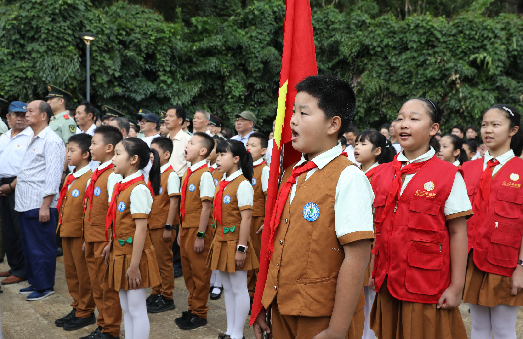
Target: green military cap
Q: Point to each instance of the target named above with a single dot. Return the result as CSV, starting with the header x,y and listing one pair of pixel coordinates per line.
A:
x,y
216,121
134,123
110,112
3,102
247,115
56,92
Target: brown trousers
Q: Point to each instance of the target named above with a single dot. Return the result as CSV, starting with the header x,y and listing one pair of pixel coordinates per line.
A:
x,y
106,299
196,273
252,275
290,327
77,277
164,257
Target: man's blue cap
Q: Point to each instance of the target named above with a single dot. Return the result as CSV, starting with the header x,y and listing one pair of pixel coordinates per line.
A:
x,y
18,106
151,117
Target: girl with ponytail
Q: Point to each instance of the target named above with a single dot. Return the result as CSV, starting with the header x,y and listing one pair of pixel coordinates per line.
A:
x,y
451,150
421,234
494,279
130,256
231,251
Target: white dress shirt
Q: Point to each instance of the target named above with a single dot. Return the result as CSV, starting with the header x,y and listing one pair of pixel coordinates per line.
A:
x,y
243,139
503,159
177,161
173,182
41,171
353,198
12,151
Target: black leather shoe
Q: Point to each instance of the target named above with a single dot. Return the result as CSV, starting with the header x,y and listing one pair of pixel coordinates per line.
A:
x,y
178,273
94,334
106,336
185,315
193,322
153,298
216,296
224,336
78,323
59,252
61,322
161,305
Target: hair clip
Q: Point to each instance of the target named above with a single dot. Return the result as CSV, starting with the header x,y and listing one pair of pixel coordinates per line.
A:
x,y
508,110
248,152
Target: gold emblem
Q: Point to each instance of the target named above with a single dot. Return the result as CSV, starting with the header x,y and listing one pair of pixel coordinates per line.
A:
x,y
72,128
429,186
140,111
49,88
514,177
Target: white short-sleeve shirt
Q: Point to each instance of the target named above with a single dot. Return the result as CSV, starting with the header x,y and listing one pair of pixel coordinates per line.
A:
x,y
245,192
354,196
264,175
206,182
173,182
141,198
458,200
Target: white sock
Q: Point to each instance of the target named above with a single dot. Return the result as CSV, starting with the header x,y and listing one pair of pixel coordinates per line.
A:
x,y
368,333
242,302
135,313
128,320
217,282
503,321
480,316
228,295
212,278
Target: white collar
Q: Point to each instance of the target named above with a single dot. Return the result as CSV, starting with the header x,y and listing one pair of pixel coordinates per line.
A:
x,y
197,165
257,162
373,166
164,167
424,157
132,176
77,174
27,131
503,159
152,136
233,176
456,163
104,165
90,130
323,159
178,135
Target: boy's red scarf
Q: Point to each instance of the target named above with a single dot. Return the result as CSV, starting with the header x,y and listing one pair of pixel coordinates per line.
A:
x,y
89,192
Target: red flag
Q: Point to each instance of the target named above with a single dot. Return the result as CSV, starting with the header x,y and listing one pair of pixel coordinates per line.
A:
x,y
298,62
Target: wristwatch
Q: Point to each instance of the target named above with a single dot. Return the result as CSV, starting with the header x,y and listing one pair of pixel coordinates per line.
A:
x,y
168,227
520,262
241,248
200,235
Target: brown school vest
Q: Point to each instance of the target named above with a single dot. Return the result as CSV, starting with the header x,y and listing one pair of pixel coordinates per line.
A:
x,y
72,210
94,229
125,225
216,177
161,204
231,216
258,209
303,271
193,203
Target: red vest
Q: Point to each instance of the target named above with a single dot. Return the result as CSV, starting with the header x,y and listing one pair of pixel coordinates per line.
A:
x,y
412,245
496,234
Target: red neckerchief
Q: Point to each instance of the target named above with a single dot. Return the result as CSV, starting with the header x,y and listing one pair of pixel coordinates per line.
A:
x,y
484,185
217,208
89,192
184,188
111,212
371,172
63,192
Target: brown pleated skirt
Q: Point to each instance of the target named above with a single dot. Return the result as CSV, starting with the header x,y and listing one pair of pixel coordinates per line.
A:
x,y
391,318
488,289
222,256
118,265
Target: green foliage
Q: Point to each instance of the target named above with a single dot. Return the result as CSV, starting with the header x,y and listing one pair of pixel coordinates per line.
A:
x,y
225,56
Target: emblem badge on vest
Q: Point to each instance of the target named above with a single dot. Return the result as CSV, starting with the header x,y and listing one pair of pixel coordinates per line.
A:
x,y
161,190
226,199
514,177
215,182
429,186
97,191
192,187
311,211
75,193
121,206
253,181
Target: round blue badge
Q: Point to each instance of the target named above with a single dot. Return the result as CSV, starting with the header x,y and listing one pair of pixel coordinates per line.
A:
x,y
311,211
161,190
75,193
121,206
253,181
192,187
226,199
216,182
97,191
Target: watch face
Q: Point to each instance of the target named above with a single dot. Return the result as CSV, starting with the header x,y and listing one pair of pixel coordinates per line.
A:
x,y
241,249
